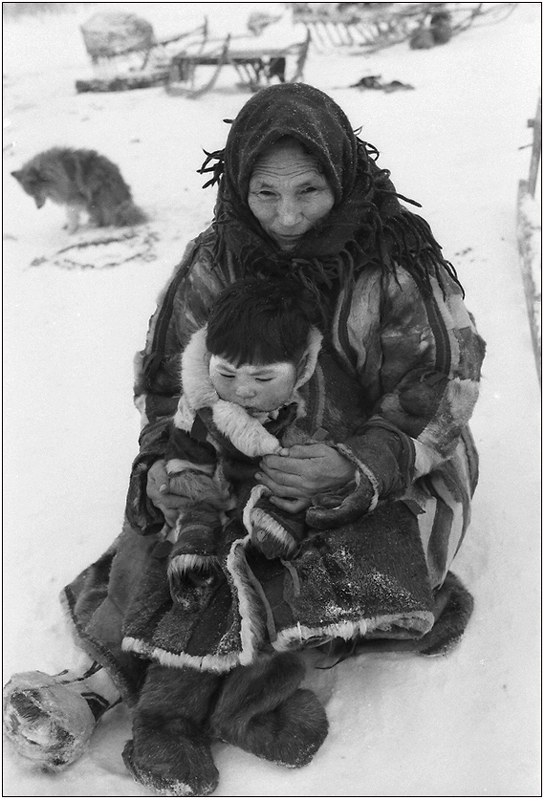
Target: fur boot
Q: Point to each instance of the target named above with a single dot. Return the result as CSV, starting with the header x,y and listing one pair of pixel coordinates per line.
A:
x,y
49,719
170,748
453,608
198,536
262,710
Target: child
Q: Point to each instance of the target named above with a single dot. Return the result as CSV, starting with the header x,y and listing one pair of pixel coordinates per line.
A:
x,y
241,376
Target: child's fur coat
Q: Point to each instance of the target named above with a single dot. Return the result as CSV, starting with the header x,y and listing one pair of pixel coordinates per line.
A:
x,y
208,430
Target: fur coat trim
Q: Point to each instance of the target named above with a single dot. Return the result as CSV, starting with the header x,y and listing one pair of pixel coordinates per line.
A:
x,y
206,663
265,525
353,581
412,625
190,563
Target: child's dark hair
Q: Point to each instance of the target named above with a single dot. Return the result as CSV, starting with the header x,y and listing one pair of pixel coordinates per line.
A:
x,y
259,321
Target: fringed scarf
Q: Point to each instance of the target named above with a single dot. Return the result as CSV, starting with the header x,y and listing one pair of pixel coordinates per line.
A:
x,y
367,224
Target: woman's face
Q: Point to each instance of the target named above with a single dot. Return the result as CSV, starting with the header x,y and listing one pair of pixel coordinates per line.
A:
x,y
288,194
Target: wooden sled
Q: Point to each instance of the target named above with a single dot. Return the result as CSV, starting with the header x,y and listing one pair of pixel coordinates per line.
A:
x,y
140,66
365,30
527,227
193,74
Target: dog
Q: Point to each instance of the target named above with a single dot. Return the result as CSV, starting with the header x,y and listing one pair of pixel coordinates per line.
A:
x,y
81,180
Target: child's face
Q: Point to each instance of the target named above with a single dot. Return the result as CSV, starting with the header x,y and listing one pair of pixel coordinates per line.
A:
x,y
262,387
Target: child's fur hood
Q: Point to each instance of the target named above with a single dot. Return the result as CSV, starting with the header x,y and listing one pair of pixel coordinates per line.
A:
x,y
246,432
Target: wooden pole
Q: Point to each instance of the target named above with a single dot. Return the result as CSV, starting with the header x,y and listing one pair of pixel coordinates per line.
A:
x,y
536,149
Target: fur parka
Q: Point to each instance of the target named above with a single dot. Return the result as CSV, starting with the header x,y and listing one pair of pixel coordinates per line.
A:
x,y
209,435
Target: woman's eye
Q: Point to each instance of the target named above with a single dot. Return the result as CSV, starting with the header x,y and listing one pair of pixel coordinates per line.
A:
x,y
263,380
265,194
229,377
309,190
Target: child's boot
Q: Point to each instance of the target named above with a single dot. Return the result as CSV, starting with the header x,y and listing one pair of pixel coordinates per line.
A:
x,y
170,748
262,710
50,718
197,537
195,550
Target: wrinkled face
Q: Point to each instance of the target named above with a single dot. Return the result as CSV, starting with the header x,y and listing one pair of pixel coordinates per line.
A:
x,y
288,194
261,387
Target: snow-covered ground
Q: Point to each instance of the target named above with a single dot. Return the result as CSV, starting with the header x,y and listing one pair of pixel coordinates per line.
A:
x,y
465,725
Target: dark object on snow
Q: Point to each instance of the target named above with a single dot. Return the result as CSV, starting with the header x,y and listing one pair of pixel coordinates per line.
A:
x,y
123,83
374,82
441,27
368,82
422,40
438,32
277,69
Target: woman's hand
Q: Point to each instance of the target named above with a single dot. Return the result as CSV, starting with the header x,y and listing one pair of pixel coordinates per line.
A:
x,y
158,491
300,472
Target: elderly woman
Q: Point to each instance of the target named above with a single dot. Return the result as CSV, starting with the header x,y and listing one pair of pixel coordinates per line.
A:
x,y
387,496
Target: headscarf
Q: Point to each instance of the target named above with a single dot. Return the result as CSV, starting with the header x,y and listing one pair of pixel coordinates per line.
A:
x,y
367,224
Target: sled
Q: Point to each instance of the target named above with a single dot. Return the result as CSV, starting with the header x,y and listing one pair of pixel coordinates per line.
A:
x,y
140,66
350,26
193,74
528,225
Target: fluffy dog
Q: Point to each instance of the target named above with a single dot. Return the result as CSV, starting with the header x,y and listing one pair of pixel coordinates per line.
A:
x,y
81,180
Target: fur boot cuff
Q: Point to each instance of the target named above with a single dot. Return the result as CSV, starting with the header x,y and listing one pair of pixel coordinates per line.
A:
x,y
269,537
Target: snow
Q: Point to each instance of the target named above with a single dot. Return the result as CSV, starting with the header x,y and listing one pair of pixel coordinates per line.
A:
x,y
465,725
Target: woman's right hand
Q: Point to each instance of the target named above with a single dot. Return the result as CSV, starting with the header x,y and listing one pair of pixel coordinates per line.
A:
x,y
158,491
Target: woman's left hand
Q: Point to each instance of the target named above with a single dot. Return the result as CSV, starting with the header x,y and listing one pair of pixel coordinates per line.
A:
x,y
299,473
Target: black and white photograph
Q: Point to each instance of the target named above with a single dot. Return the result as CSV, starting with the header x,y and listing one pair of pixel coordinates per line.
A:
x,y
272,399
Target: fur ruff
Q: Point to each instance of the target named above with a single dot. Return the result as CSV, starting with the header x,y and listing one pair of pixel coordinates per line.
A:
x,y
245,432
